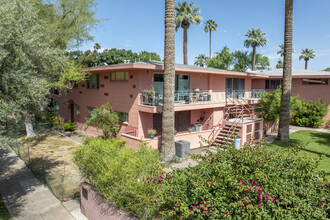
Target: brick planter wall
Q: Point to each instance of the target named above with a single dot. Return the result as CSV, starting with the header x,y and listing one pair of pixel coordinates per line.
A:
x,y
95,207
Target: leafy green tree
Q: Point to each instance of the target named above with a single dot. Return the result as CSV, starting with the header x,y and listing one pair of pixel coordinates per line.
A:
x,y
146,56
210,25
186,14
67,22
307,54
106,119
201,60
279,64
241,60
255,38
262,62
28,64
327,69
270,104
114,56
84,59
222,60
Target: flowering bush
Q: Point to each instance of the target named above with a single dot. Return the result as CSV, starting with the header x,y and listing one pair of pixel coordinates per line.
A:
x,y
250,183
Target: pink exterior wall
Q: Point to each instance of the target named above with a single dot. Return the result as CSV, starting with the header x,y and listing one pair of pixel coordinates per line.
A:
x,y
95,207
124,97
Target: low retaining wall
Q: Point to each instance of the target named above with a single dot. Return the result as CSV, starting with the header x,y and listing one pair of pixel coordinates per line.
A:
x,y
95,207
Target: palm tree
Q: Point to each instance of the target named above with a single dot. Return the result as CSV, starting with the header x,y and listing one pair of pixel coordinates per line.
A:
x,y
283,130
255,38
307,54
210,25
201,60
281,51
186,14
168,149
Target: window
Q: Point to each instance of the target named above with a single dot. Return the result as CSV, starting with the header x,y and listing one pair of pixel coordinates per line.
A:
x,y
93,81
123,116
57,108
272,83
89,111
315,81
119,76
77,111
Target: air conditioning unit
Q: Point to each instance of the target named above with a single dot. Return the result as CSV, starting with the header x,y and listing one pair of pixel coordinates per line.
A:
x,y
182,148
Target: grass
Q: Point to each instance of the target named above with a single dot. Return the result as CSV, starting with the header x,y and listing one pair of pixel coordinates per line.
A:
x,y
312,143
4,214
52,152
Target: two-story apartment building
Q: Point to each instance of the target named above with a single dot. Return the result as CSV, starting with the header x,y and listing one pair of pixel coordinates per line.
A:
x,y
210,103
310,85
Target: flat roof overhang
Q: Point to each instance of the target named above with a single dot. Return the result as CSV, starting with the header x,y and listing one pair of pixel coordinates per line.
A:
x,y
131,66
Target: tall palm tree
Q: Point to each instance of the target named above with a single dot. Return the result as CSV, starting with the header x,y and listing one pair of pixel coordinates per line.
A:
x,y
283,130
307,54
168,148
281,51
186,14
255,38
201,60
210,25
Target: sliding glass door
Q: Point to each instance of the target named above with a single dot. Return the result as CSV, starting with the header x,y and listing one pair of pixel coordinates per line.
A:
x,y
237,85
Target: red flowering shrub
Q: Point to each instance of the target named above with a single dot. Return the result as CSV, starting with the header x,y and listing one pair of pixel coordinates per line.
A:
x,y
250,183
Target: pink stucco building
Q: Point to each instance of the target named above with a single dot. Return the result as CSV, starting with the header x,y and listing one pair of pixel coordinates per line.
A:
x,y
310,85
210,103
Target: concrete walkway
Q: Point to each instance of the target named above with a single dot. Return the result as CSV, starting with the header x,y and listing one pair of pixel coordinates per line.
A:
x,y
25,197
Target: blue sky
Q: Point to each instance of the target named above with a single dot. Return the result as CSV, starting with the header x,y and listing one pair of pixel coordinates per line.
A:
x,y
139,25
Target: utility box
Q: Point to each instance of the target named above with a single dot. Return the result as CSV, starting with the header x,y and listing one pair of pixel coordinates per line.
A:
x,y
238,142
182,148
199,127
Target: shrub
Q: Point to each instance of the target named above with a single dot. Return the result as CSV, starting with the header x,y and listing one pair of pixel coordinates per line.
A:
x,y
152,131
115,171
53,119
106,119
69,126
309,114
270,104
250,183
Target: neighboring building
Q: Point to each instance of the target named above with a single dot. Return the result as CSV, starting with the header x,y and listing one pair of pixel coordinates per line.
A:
x,y
202,105
308,84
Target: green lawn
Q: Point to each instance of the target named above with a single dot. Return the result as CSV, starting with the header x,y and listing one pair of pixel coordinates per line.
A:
x,y
4,214
316,143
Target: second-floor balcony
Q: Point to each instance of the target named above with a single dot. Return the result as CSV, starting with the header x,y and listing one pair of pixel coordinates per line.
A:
x,y
152,98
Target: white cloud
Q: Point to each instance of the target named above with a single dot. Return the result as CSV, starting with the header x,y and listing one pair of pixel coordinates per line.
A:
x,y
225,31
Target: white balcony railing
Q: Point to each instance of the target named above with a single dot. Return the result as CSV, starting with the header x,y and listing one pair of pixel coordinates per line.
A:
x,y
152,98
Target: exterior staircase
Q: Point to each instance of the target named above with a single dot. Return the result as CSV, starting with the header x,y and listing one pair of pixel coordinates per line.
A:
x,y
227,133
235,111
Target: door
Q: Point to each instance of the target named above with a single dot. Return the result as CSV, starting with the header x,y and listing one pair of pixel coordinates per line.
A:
x,y
182,120
72,112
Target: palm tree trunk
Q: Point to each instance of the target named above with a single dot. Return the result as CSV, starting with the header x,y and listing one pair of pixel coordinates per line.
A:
x,y
210,45
168,148
306,64
185,47
283,131
254,58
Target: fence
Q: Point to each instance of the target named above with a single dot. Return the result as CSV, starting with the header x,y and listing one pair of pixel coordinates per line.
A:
x,y
49,172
